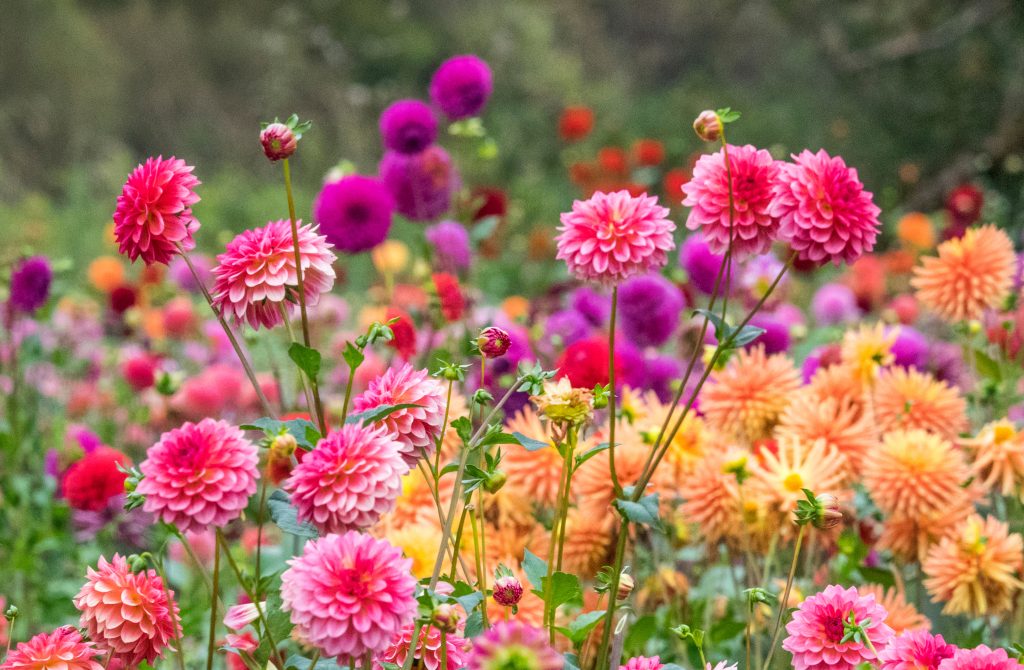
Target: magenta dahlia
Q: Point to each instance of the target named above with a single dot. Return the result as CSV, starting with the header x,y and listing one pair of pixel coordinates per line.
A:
x,y
349,594
461,86
980,658
915,650
63,649
824,212
643,663
511,644
199,475
819,625
754,228
256,276
613,236
428,650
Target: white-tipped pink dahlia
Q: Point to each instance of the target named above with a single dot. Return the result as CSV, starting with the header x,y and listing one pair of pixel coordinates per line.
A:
x,y
349,594
825,213
754,228
154,211
613,236
63,649
818,626
915,650
417,428
428,650
130,614
256,276
199,475
352,477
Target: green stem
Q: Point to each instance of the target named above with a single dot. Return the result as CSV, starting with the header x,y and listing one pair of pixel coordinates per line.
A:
x,y
410,655
613,591
221,545
546,618
348,393
261,511
750,621
213,609
783,604
444,647
611,397
482,577
444,429
315,660
158,566
457,545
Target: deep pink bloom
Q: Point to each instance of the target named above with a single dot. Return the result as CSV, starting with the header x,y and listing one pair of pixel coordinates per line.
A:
x,y
980,658
428,649
512,644
461,86
408,126
824,212
349,594
643,663
154,211
915,650
199,475
256,277
818,626
754,228
354,213
613,236
63,648
278,141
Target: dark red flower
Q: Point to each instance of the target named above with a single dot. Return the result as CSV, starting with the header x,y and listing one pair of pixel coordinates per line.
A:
x,y
673,184
122,299
92,480
575,123
964,206
585,363
453,304
493,202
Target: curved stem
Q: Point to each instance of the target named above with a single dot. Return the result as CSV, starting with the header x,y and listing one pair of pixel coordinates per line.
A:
x,y
783,604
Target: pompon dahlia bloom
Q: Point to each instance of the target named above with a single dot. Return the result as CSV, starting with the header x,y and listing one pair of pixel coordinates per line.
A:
x,y
902,616
63,649
354,213
643,663
422,184
199,475
980,658
971,274
511,644
349,594
417,428
94,479
998,456
408,126
824,212
428,650
649,307
915,650
613,236
817,629
154,211
130,614
450,243
352,477
908,399
256,276
461,86
30,284
975,570
754,227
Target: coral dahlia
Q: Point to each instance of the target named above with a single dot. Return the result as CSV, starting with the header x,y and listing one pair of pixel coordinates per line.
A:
x,y
903,616
998,456
915,650
840,423
63,649
909,399
818,626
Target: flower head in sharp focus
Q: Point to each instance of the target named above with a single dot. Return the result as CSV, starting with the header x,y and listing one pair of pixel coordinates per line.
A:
x,y
818,635
825,214
63,649
998,456
354,213
643,663
909,399
461,86
408,126
839,423
428,649
785,473
199,475
613,236
30,284
256,277
753,226
980,658
154,211
915,650
511,645
562,403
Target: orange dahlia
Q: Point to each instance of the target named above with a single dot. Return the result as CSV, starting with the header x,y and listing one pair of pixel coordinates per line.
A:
x,y
867,350
711,497
532,474
796,465
688,444
840,382
910,536
908,399
840,423
998,457
901,615
592,484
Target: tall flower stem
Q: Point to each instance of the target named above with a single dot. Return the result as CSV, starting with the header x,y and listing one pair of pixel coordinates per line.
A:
x,y
482,577
261,510
221,545
783,604
551,554
306,390
613,590
611,395
213,609
158,565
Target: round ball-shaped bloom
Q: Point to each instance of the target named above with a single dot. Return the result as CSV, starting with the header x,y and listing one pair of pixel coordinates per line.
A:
x,y
575,123
408,126
702,266
256,277
511,644
915,650
643,663
63,649
130,614
815,634
594,305
349,594
834,304
94,479
911,348
461,86
980,658
824,212
199,475
30,284
971,274
416,428
450,243
428,650
421,184
775,339
154,211
613,236
908,399
585,363
278,141
352,477
998,456
649,308
747,219
354,213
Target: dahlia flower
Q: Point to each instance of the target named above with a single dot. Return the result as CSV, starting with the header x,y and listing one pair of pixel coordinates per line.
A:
x,y
533,474
908,399
354,213
998,456
783,474
589,540
834,304
94,479
154,211
902,616
613,236
63,649
980,658
408,127
585,362
428,650
711,496
868,349
818,626
450,243
649,309
915,650
199,475
422,184
644,663
461,86
575,123
30,284
839,423
278,141
511,644
909,537
702,265
349,594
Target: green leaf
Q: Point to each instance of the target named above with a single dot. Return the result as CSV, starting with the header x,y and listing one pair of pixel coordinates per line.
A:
x,y
304,431
583,624
467,596
298,662
474,625
726,629
285,516
640,632
877,576
644,511
747,334
590,453
463,428
306,358
987,367
498,437
535,568
352,356
280,626
726,335
570,661
377,413
565,589
530,443
727,115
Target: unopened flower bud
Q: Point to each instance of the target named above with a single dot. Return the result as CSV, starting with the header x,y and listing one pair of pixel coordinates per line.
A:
x,y
11,613
278,141
495,481
829,515
284,445
626,584
493,342
508,591
708,126
482,397
445,618
137,563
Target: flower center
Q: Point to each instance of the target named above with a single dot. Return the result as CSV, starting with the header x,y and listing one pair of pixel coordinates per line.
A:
x,y
793,482
833,623
1003,433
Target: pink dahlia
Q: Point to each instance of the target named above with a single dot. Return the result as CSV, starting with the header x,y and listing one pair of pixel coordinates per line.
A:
x,y
256,276
754,228
349,594
818,626
980,658
613,236
511,644
416,428
130,614
63,649
643,663
915,650
352,477
825,213
199,475
428,650
154,211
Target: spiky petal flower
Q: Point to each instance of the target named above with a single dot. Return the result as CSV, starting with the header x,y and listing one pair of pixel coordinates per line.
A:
x,y
868,350
643,663
909,399
199,475
352,477
838,422
915,650
63,649
130,614
349,594
428,650
903,616
818,626
980,658
794,466
511,644
711,496
998,456
613,236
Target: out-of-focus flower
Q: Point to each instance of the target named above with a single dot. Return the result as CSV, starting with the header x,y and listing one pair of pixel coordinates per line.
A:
x,y
585,363
461,86
354,213
449,293
908,399
139,371
915,229
834,304
613,161
30,284
575,123
278,141
817,633
408,126
404,341
422,184
94,479
594,305
868,350
910,350
649,308
902,616
998,461
672,185
64,648
512,644
915,650
643,663
964,205
105,273
534,474
451,246
648,152
702,265
841,424
154,211
427,651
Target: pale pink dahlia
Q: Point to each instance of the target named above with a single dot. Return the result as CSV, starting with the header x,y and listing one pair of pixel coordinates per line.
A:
x,y
754,228
613,236
416,428
131,614
818,626
63,649
154,211
643,663
256,277
199,475
352,477
825,213
914,650
980,658
512,644
349,594
428,649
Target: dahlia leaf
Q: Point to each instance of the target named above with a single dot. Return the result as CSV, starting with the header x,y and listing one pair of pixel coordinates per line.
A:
x,y
378,413
987,367
643,511
745,336
570,661
529,443
535,568
727,115
590,453
467,596
307,358
474,625
583,624
285,516
353,356
463,428
565,589
727,336
298,662
495,435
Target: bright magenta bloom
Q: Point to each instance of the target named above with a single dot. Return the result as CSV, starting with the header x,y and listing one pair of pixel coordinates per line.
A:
x,y
643,663
256,277
349,594
63,648
980,658
154,211
817,629
915,650
199,475
613,236
825,213
352,477
754,228
428,649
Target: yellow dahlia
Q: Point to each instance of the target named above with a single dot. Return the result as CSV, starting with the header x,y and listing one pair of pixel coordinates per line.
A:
x,y
419,542
867,350
998,457
908,399
839,423
901,615
533,475
795,466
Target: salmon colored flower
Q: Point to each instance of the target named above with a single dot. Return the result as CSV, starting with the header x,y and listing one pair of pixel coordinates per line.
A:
x,y
998,457
908,399
63,649
840,423
532,474
796,466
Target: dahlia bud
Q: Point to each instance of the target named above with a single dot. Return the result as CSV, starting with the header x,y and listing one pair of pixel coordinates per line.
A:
x,y
493,342
508,591
11,613
495,481
708,126
829,515
278,141
284,445
445,618
625,585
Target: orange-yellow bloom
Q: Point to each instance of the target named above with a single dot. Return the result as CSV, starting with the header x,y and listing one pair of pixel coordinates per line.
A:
x,y
908,399
998,457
